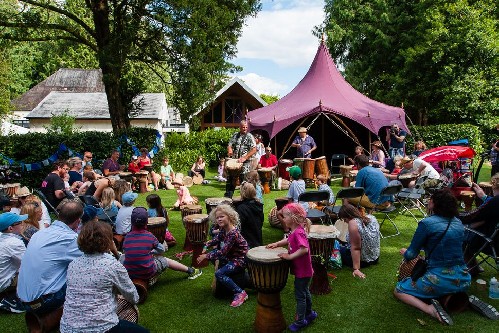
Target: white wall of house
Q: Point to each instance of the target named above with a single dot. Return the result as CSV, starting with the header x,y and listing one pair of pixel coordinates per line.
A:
x,y
37,125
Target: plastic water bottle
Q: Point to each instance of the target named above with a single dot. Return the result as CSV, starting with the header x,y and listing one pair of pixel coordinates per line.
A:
x,y
494,288
279,183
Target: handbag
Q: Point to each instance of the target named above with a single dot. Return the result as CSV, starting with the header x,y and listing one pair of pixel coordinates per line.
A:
x,y
421,265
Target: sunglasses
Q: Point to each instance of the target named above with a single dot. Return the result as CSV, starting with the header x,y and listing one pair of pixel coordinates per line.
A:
x,y
90,157
14,224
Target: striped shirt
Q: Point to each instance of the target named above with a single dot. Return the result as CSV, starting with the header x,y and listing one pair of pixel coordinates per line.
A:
x,y
138,247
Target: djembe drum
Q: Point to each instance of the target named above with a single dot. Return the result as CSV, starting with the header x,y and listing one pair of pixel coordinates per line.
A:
x,y
234,169
468,197
157,226
126,175
12,188
214,202
265,176
126,310
345,172
321,240
196,227
308,170
197,179
321,166
487,189
187,210
142,175
283,165
269,275
279,203
406,179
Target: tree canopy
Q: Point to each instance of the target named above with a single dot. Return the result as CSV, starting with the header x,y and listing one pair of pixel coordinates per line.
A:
x,y
185,43
437,58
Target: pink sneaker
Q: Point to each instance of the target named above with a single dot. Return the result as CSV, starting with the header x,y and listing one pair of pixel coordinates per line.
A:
x,y
239,299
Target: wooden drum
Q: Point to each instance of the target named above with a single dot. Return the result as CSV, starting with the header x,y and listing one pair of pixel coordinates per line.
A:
x,y
157,226
283,165
406,179
321,239
126,310
269,275
213,202
197,179
345,172
196,227
142,175
321,166
234,169
187,210
265,176
11,189
308,168
273,220
468,197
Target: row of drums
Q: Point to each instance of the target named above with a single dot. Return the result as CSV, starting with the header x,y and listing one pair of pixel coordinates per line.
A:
x,y
310,167
10,189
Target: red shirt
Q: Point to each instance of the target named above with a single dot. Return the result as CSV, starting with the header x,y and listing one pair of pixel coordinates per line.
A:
x,y
132,167
268,162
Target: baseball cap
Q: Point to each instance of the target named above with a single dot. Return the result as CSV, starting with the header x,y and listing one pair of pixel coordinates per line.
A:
x,y
8,219
295,171
129,197
134,157
139,216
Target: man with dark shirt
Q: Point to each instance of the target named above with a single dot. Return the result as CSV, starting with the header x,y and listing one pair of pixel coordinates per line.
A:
x,y
396,139
111,167
53,185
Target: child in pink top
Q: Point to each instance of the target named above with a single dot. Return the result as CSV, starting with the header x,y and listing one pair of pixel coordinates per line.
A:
x,y
295,218
183,194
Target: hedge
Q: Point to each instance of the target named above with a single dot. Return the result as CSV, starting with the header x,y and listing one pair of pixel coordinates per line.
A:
x,y
182,149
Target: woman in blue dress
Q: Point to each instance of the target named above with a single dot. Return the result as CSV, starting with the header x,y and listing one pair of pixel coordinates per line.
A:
x,y
447,273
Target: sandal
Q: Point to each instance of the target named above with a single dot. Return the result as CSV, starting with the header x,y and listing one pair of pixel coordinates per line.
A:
x,y
443,316
483,308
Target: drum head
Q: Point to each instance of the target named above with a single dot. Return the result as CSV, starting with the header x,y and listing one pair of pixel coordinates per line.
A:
x,y
262,254
195,218
187,181
323,232
156,220
192,207
197,179
218,201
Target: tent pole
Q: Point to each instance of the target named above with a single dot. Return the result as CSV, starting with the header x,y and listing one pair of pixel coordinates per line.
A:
x,y
292,134
323,140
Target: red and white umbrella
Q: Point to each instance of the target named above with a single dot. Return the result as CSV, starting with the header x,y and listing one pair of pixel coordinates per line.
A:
x,y
446,153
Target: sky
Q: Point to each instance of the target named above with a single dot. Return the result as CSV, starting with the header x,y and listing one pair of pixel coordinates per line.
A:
x,y
277,46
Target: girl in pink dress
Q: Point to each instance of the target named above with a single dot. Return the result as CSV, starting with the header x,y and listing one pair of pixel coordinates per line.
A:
x,y
183,195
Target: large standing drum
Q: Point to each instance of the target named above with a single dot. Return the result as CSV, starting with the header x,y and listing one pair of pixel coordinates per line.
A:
x,y
234,169
345,173
321,166
142,175
12,188
283,165
187,210
157,226
468,197
265,176
279,203
321,239
269,275
308,170
196,227
214,202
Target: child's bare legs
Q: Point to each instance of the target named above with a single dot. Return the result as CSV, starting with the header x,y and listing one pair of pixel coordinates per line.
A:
x,y
176,266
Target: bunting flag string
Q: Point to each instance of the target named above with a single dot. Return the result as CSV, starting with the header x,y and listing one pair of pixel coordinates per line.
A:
x,y
63,149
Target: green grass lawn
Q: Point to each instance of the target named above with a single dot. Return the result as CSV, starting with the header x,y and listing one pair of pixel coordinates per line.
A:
x,y
176,304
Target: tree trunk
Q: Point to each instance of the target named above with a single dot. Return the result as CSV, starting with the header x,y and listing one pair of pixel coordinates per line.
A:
x,y
117,112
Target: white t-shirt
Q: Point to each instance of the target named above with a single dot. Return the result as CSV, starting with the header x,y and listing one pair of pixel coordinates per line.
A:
x,y
428,171
124,220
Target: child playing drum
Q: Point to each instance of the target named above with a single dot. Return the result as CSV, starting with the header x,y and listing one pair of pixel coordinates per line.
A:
x,y
294,217
232,253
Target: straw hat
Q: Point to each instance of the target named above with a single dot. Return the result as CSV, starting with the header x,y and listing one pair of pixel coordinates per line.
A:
x,y
377,143
178,181
22,192
406,159
188,181
302,130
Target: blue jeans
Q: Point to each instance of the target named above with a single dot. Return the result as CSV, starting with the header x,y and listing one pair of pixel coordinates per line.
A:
x,y
48,303
396,151
303,297
223,276
129,327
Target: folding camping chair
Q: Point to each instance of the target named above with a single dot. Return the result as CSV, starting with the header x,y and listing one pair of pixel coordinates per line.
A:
x,y
390,190
336,161
44,199
345,193
315,196
488,250
102,215
412,198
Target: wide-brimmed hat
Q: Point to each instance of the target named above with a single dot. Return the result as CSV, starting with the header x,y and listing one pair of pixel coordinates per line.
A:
x,y
22,192
302,130
406,159
178,181
377,143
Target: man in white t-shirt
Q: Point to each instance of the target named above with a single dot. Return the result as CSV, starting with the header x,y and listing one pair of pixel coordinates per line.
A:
x,y
421,168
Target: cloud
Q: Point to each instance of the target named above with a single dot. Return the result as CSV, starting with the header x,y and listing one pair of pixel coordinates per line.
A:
x,y
263,85
283,34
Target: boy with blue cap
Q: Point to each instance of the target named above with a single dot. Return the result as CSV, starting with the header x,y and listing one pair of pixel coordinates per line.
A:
x,y
123,219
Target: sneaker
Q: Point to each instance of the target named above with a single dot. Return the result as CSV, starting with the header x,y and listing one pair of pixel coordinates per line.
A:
x,y
239,299
298,325
12,304
483,308
311,316
195,274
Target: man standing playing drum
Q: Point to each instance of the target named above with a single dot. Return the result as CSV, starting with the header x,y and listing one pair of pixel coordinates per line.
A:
x,y
242,146
396,140
304,144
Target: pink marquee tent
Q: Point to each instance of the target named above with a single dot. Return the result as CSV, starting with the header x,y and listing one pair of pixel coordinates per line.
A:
x,y
324,90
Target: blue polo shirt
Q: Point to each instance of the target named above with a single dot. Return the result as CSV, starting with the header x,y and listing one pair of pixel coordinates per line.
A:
x,y
373,181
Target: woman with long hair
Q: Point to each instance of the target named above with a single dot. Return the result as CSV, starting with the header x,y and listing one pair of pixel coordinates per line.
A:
x,y
32,223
